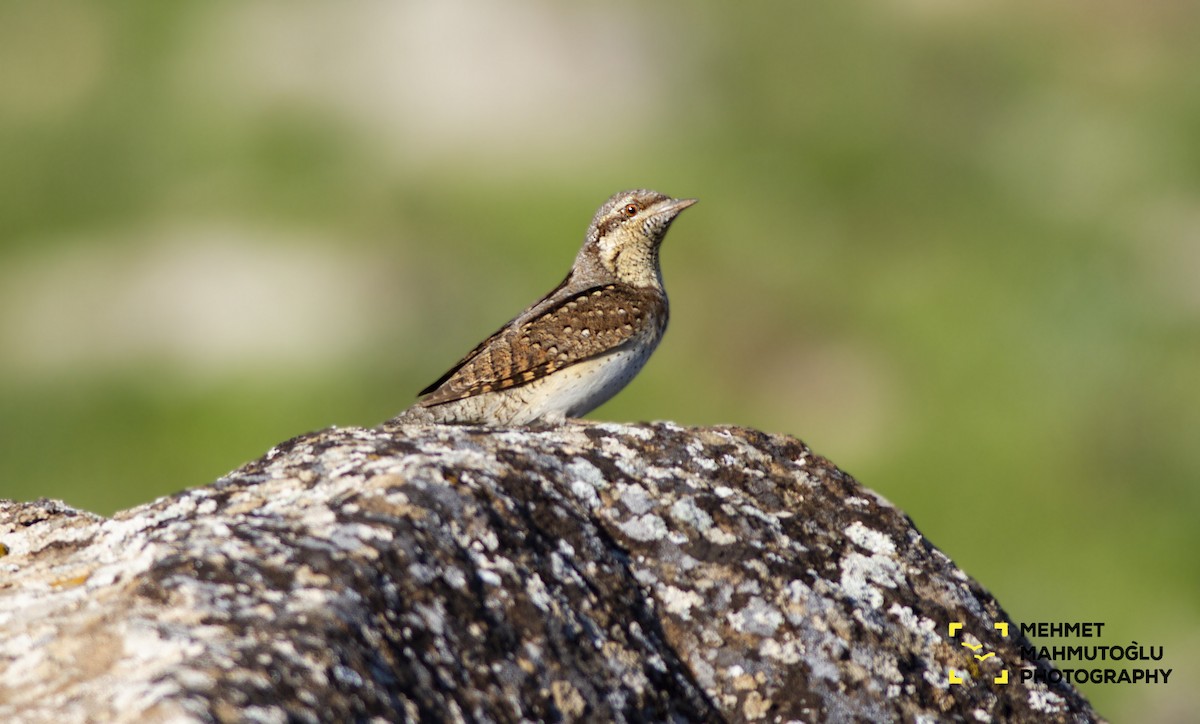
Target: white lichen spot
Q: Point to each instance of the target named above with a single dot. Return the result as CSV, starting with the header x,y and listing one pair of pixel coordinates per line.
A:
x,y
719,536
192,679
680,602
880,663
647,527
618,429
301,600
265,714
723,491
861,576
789,652
871,540
940,679
763,515
351,536
558,567
636,499
631,466
798,591
686,511
711,639
706,675
626,459
586,494
583,471
750,585
538,594
904,615
669,473
489,540
699,457
1046,701
455,578
645,577
433,615
758,617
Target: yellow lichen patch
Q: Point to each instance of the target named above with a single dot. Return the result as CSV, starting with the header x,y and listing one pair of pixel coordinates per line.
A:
x,y
745,682
306,576
755,706
567,699
72,581
412,512
386,481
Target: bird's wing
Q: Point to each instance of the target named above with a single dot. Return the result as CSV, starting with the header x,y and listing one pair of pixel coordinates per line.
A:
x,y
578,327
493,337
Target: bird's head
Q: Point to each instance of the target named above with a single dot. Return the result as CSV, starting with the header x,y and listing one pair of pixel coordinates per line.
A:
x,y
626,233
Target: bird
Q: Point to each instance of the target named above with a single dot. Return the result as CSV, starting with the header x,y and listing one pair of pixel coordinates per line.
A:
x,y
572,350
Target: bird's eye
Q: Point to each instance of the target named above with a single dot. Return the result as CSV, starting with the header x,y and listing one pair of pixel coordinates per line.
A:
x,y
631,210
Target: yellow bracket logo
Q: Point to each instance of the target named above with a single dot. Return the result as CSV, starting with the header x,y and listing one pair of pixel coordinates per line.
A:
x,y
957,677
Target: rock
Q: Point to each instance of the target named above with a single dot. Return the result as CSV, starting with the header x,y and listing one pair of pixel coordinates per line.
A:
x,y
589,571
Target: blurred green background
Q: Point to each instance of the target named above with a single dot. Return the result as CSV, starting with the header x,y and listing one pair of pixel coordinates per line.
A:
x,y
955,247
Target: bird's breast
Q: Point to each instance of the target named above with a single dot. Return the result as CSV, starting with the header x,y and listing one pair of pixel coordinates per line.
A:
x,y
580,388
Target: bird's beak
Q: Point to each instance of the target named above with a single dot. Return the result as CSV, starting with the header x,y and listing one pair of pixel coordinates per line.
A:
x,y
677,205
656,226
672,208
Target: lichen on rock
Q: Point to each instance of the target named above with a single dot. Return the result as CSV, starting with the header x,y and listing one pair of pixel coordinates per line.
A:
x,y
587,571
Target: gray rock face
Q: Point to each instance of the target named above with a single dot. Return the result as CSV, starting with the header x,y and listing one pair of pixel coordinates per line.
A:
x,y
590,571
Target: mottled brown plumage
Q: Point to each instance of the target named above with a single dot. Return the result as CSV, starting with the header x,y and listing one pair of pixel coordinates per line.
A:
x,y
582,342
589,323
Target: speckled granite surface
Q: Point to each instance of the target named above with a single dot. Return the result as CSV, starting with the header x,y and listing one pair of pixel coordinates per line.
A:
x,y
590,571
